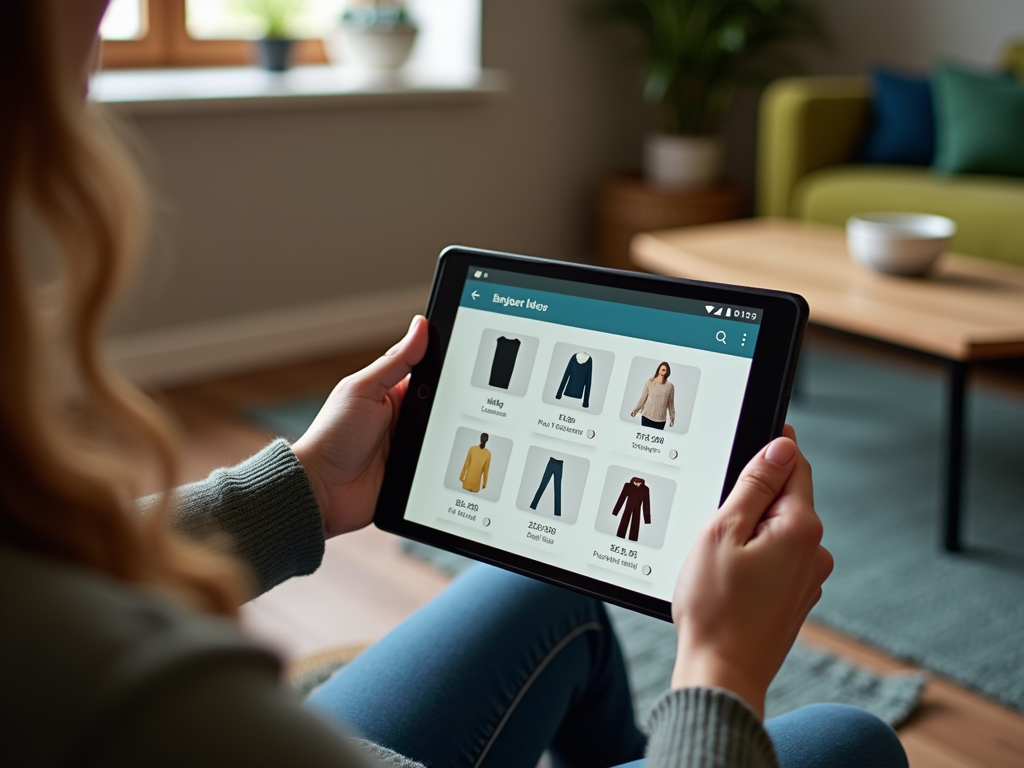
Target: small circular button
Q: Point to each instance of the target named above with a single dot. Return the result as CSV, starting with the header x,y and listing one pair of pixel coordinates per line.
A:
x,y
423,392
647,570
673,454
486,521
590,434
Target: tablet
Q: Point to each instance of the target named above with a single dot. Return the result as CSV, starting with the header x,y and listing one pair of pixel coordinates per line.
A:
x,y
579,425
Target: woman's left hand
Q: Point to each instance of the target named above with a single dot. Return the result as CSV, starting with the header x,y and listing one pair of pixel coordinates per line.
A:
x,y
346,447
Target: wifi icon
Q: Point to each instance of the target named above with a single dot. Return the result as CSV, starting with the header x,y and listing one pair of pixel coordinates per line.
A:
x,y
709,308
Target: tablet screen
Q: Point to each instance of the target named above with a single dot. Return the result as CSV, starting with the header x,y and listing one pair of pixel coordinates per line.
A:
x,y
583,426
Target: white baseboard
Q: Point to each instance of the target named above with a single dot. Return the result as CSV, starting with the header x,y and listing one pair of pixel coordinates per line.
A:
x,y
221,347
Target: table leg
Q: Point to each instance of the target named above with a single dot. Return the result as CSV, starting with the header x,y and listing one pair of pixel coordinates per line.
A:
x,y
954,456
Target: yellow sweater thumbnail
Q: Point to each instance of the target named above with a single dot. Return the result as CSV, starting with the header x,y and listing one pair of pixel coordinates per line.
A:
x,y
474,471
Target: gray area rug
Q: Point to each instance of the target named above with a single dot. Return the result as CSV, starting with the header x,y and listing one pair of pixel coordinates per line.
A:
x,y
873,432
874,435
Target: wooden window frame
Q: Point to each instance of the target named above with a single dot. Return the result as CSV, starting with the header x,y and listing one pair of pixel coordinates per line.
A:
x,y
166,43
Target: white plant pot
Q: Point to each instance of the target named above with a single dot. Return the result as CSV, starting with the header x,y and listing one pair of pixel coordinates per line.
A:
x,y
376,48
677,162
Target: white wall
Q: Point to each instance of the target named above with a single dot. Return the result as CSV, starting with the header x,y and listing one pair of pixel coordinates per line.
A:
x,y
916,34
269,210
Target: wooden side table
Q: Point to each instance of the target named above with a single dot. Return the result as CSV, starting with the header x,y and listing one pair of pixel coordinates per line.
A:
x,y
628,205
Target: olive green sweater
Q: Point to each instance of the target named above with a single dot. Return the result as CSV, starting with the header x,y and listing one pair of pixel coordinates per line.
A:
x,y
94,671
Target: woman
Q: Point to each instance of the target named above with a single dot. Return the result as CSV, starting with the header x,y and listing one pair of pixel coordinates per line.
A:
x,y
658,397
119,644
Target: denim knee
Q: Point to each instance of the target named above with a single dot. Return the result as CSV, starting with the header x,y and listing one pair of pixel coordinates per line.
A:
x,y
835,736
537,595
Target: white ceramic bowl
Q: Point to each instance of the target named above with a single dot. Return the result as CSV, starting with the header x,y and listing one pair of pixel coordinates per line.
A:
x,y
898,243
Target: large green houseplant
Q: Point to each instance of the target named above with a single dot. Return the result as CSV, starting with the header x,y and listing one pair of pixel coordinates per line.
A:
x,y
697,54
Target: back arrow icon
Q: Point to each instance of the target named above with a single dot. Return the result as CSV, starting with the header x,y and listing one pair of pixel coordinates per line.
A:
x,y
475,295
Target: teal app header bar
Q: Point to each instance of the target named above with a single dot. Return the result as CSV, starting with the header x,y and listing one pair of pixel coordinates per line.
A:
x,y
712,334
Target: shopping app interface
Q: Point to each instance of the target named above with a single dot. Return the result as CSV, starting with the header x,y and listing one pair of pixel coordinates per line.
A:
x,y
552,435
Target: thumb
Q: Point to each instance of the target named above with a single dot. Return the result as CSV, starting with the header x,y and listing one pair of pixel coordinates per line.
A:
x,y
377,379
757,488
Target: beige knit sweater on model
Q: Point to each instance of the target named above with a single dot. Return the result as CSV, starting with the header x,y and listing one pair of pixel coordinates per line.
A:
x,y
656,399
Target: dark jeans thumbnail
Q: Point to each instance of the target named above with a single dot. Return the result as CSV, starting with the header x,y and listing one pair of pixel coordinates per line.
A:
x,y
553,469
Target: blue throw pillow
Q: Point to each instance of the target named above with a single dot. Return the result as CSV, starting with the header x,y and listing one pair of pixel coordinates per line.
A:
x,y
903,121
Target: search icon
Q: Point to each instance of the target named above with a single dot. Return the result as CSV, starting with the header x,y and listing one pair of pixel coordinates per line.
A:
x,y
720,336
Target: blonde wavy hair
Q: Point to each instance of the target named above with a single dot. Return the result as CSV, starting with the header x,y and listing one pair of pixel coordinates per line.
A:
x,y
76,437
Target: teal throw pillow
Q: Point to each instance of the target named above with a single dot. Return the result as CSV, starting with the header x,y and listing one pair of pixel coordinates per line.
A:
x,y
979,122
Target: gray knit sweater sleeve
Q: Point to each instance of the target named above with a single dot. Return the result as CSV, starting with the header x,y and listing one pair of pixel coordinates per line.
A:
x,y
707,728
266,507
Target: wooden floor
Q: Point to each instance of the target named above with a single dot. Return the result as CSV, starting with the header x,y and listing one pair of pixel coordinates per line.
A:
x,y
366,585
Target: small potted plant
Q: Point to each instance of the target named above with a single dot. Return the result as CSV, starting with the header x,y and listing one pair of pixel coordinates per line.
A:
x,y
374,34
698,52
278,18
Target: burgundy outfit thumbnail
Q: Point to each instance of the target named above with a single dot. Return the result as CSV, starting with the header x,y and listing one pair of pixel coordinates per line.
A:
x,y
637,498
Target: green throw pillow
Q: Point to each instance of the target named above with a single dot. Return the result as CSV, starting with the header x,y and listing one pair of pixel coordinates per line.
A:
x,y
979,122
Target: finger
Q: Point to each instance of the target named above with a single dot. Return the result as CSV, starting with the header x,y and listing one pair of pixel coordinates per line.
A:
x,y
377,379
826,563
788,431
793,515
759,485
817,572
796,500
813,598
396,395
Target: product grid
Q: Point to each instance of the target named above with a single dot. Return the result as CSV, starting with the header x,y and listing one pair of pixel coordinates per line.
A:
x,y
589,442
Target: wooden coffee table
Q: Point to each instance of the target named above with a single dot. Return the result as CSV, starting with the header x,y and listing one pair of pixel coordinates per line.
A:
x,y
968,310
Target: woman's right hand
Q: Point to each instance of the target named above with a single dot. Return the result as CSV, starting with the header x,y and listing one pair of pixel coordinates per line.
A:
x,y
751,579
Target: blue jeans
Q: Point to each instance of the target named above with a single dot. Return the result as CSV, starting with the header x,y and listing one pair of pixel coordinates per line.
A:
x,y
500,668
552,470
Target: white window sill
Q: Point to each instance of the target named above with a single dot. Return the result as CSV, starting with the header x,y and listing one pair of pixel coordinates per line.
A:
x,y
231,89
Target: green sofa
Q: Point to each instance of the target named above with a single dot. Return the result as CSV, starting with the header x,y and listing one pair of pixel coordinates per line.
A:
x,y
809,133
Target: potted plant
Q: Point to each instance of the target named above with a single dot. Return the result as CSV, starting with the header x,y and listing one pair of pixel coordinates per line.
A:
x,y
698,52
374,34
278,17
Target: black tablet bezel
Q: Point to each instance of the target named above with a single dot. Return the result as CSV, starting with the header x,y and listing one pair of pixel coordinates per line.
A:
x,y
762,415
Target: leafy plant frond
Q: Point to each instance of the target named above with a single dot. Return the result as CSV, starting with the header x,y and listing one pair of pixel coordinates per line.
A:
x,y
277,16
699,51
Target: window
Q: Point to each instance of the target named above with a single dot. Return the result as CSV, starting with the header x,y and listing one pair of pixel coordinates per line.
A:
x,y
197,33
226,19
204,33
124,20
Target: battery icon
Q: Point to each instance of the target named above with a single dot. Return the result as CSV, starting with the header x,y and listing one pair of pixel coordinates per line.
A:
x,y
728,312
